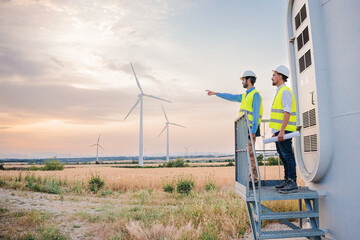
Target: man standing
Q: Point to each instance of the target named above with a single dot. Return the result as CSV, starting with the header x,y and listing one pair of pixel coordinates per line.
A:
x,y
251,102
282,121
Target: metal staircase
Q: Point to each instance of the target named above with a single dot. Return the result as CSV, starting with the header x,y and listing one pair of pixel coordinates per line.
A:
x,y
267,192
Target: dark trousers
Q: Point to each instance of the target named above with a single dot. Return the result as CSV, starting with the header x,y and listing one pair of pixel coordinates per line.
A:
x,y
286,155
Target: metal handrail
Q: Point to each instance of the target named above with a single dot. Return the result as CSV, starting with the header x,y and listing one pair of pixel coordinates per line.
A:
x,y
243,167
258,205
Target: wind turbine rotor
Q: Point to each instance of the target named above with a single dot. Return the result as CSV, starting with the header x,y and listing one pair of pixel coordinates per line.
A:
x,y
151,96
163,130
137,102
167,120
176,125
101,147
137,81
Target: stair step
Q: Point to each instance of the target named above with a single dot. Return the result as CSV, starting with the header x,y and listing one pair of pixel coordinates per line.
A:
x,y
292,233
288,215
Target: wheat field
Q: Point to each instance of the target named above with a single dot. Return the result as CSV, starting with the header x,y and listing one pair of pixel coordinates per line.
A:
x,y
146,178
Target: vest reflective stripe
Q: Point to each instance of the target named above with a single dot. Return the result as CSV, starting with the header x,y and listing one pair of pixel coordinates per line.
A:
x,y
280,121
277,112
281,111
247,105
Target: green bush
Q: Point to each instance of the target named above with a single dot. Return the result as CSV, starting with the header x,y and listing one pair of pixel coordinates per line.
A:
x,y
184,185
51,186
78,187
2,167
47,186
210,186
177,163
230,164
95,183
105,192
168,187
53,165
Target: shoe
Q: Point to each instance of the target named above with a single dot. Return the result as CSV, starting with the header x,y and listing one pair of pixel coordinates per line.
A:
x,y
291,187
251,185
282,184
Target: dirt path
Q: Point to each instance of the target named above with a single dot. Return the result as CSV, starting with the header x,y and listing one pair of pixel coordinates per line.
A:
x,y
62,208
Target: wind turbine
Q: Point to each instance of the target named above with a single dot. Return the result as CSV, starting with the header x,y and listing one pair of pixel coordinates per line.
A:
x,y
141,95
97,148
167,131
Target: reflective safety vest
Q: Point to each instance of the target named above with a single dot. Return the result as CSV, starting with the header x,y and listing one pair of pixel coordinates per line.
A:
x,y
247,105
277,112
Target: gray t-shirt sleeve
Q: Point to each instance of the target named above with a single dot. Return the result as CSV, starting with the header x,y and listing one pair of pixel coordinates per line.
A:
x,y
287,100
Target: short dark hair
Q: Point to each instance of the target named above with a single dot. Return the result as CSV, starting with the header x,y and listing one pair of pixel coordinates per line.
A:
x,y
252,79
284,77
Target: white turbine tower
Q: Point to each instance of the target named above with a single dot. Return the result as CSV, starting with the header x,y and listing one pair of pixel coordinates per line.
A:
x,y
97,148
167,131
141,151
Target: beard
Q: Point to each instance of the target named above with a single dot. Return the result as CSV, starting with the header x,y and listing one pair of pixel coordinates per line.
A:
x,y
245,85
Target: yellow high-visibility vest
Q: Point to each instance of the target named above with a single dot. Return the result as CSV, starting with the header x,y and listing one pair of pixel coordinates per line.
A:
x,y
247,105
277,112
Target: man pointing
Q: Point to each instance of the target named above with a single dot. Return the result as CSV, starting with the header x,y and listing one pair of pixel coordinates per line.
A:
x,y
251,102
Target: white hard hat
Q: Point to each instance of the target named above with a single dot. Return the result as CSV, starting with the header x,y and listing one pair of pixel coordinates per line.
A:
x,y
283,70
248,73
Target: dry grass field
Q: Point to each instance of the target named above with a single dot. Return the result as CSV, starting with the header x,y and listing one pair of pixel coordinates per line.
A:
x,y
147,178
131,205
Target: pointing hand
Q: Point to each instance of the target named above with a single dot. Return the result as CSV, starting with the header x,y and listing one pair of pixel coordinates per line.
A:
x,y
210,92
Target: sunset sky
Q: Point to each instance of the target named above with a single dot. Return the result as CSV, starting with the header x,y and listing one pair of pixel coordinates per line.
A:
x,y
65,74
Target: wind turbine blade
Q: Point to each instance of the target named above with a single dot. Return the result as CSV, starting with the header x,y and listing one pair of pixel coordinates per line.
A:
x,y
93,145
164,113
137,102
177,125
137,81
101,147
162,130
98,139
150,96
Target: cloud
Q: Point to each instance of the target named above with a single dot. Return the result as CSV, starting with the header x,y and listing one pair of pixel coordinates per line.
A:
x,y
31,103
13,62
55,60
142,70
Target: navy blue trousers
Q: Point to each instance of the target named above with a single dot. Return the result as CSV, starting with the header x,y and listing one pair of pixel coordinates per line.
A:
x,y
286,155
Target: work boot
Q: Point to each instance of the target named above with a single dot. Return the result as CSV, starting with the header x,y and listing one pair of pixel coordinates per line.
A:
x,y
251,186
290,187
282,184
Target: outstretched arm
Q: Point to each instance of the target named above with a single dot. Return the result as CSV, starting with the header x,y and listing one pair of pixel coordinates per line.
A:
x,y
226,96
210,93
